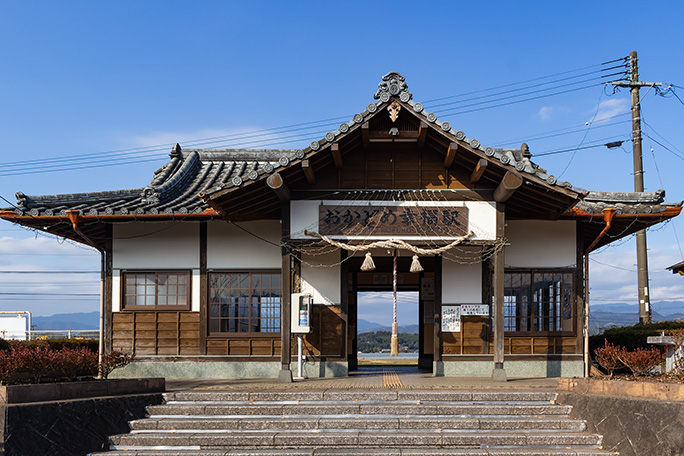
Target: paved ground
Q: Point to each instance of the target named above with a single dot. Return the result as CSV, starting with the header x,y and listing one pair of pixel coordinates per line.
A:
x,y
392,377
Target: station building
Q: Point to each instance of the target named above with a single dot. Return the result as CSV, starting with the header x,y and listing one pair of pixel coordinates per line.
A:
x,y
202,266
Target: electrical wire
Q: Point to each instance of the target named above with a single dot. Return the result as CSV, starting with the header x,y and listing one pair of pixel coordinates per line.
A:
x,y
598,107
600,143
623,59
84,161
510,102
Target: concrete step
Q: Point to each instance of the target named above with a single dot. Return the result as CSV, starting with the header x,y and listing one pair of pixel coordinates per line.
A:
x,y
262,422
353,438
360,394
358,422
361,407
363,451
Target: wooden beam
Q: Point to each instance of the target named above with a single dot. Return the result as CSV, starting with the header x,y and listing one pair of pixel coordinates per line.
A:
x,y
498,373
337,156
285,375
365,134
478,171
277,184
203,286
308,172
450,155
422,134
508,185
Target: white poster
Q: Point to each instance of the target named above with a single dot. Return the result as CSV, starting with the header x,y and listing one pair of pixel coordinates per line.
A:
x,y
451,318
474,309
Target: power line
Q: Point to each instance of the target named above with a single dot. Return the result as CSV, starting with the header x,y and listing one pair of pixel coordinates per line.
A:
x,y
623,59
47,294
514,102
562,151
139,154
586,132
49,272
523,88
562,131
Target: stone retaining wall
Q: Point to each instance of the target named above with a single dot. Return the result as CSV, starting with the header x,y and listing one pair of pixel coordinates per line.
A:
x,y
68,428
631,426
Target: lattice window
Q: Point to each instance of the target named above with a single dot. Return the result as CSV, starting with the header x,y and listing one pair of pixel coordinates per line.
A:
x,y
538,301
244,302
156,290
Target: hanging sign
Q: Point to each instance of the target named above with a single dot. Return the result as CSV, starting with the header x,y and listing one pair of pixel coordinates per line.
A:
x,y
474,309
451,318
393,220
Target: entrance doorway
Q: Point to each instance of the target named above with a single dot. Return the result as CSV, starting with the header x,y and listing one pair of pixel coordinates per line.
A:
x,y
415,293
374,327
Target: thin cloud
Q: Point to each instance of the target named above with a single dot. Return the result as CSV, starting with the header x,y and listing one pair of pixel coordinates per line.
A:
x,y
611,108
546,113
244,137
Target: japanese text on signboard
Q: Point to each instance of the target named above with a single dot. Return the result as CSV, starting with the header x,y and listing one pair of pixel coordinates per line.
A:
x,y
393,220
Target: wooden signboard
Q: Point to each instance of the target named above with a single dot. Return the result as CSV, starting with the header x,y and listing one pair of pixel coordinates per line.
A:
x,y
393,220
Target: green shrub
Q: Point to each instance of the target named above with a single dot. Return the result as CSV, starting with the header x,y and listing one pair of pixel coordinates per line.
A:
x,y
633,337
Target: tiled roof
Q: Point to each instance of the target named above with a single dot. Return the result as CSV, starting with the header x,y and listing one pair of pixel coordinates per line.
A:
x,y
175,187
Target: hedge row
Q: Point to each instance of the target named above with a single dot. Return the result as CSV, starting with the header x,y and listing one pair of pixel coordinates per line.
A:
x,y
53,344
633,337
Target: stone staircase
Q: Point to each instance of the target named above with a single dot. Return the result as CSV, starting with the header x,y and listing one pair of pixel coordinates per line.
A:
x,y
357,422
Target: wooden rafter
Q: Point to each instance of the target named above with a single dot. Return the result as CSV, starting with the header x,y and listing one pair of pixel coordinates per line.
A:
x,y
337,155
479,170
450,155
422,134
508,185
308,172
277,184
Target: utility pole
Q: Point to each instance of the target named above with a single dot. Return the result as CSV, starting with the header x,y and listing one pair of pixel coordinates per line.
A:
x,y
642,259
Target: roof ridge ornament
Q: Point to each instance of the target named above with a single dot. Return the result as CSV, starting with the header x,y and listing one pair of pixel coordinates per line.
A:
x,y
176,151
393,84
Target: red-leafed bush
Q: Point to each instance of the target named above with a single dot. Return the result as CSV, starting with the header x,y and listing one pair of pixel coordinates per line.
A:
x,y
114,360
37,362
75,362
607,357
7,366
640,360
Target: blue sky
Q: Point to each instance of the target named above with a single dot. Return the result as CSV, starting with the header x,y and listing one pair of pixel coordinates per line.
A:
x,y
100,78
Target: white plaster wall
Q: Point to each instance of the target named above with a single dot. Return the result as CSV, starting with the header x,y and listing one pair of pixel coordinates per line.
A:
x,y
116,290
481,217
322,282
229,247
195,290
540,244
461,283
156,246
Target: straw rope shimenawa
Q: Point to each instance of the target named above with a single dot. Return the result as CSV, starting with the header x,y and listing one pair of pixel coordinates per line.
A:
x,y
368,264
391,244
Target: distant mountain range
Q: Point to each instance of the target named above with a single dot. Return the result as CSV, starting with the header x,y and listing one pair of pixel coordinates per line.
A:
x,y
601,317
606,316
80,321
365,326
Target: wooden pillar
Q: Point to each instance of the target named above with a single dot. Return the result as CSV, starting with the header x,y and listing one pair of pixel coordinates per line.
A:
x,y
285,375
344,304
437,369
109,287
498,373
203,288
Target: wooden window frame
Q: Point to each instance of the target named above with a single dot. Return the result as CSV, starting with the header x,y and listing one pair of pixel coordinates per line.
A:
x,y
239,335
573,299
157,307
